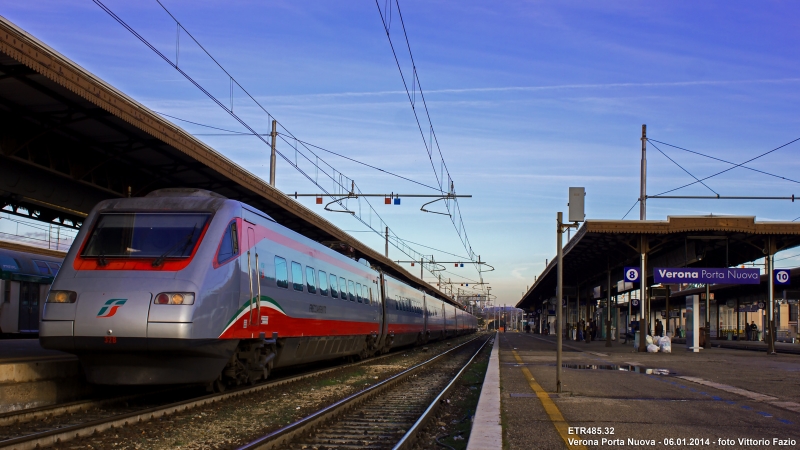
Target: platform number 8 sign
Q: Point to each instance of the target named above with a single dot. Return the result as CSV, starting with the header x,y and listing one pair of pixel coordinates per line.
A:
x,y
782,277
632,274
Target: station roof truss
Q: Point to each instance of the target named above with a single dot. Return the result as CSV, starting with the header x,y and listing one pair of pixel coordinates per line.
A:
x,y
600,246
69,140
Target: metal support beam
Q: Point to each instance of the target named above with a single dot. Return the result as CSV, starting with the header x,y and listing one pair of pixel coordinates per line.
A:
x,y
608,311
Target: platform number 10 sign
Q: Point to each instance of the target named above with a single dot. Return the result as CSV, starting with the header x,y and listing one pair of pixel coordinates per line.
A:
x,y
782,276
632,274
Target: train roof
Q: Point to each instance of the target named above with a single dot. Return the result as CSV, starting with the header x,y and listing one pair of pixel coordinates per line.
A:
x,y
20,262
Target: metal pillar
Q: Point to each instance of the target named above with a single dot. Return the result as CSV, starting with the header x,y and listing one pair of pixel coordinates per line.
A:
x,y
771,295
666,326
708,317
386,252
643,177
272,160
608,311
559,296
643,296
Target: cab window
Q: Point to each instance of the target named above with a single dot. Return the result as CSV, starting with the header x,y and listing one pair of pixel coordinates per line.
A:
x,y
229,247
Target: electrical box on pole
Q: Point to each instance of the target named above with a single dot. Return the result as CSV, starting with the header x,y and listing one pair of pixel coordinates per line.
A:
x,y
576,199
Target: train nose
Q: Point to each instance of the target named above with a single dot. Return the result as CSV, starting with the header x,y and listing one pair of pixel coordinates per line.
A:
x,y
113,314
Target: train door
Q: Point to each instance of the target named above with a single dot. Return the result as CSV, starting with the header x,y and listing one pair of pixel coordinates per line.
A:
x,y
253,277
427,331
28,307
384,312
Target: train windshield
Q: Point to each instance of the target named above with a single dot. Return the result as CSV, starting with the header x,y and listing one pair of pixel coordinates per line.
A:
x,y
145,235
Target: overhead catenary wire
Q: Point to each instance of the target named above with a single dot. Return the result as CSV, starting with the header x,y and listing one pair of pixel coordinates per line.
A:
x,y
733,167
722,160
683,168
229,109
411,94
241,133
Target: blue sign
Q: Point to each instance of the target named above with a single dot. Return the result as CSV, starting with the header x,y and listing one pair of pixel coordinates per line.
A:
x,y
782,276
707,275
632,274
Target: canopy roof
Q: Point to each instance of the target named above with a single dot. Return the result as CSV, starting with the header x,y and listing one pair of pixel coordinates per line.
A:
x,y
601,246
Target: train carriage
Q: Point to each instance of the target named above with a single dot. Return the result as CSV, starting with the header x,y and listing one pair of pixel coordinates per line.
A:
x,y
185,286
25,277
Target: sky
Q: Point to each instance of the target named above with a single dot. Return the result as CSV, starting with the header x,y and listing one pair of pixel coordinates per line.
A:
x,y
526,99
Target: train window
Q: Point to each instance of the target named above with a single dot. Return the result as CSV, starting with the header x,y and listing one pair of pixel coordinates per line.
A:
x,y
358,293
145,235
396,304
229,247
281,275
54,267
343,288
7,291
323,283
297,276
365,293
334,286
371,300
311,281
351,288
42,267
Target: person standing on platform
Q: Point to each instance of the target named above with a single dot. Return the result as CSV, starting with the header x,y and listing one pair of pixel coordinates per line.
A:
x,y
659,328
589,331
753,331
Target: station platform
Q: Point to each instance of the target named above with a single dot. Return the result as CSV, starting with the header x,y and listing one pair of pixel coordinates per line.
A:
x,y
32,376
641,398
780,347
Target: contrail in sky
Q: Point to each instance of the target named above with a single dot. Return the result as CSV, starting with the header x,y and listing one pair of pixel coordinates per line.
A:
x,y
554,87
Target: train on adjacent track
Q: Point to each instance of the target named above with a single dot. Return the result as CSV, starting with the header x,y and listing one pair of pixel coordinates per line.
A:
x,y
186,286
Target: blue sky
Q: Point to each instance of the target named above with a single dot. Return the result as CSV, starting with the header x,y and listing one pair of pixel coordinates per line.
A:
x,y
527,99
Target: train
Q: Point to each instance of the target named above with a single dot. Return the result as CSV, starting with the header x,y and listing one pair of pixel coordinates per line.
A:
x,y
187,286
25,277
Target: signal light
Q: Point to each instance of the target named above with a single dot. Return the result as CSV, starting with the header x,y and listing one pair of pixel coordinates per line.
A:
x,y
387,201
319,200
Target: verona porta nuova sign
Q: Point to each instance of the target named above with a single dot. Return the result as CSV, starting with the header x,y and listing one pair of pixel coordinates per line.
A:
x,y
706,275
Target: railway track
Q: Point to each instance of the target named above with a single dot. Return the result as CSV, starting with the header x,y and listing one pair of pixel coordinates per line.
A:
x,y
86,418
388,415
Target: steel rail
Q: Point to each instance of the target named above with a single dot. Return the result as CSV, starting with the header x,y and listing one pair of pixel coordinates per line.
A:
x,y
51,437
29,414
281,437
409,438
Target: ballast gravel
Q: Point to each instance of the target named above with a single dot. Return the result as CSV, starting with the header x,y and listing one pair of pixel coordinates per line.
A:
x,y
234,422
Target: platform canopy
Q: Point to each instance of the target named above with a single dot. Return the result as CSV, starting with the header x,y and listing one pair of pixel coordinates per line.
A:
x,y
69,140
601,246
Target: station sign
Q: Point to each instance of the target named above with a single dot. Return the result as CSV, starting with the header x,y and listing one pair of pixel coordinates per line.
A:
x,y
782,276
632,274
707,275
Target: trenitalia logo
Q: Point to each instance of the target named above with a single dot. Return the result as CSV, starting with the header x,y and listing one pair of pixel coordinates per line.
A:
x,y
111,307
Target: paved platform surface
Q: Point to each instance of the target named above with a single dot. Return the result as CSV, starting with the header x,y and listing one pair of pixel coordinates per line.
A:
x,y
21,350
780,347
715,394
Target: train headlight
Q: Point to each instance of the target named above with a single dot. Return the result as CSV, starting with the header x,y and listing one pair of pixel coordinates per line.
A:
x,y
62,297
174,298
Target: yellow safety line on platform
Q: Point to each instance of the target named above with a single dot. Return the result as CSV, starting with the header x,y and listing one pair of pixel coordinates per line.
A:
x,y
550,408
